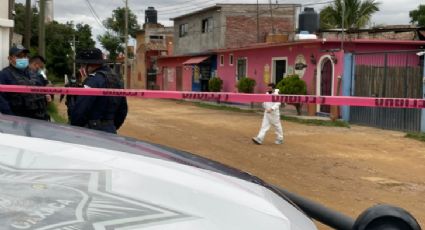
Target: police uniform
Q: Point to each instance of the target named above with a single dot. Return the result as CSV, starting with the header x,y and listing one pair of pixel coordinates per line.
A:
x,y
22,104
99,112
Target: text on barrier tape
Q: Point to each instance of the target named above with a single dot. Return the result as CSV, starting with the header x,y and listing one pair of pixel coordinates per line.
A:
x,y
225,97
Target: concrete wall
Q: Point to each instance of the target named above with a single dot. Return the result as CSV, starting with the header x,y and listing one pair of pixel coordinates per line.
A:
x,y
196,41
234,25
5,25
144,44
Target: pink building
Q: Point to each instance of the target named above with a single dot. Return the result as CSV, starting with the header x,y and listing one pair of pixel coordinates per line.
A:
x,y
319,63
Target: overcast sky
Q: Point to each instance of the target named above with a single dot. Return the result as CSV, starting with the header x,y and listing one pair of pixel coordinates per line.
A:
x,y
391,11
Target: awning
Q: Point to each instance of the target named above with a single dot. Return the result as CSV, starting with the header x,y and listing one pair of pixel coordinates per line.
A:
x,y
195,60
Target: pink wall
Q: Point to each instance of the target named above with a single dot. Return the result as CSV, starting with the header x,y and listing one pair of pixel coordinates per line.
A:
x,y
258,58
166,78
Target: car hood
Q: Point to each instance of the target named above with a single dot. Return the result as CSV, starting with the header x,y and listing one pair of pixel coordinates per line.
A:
x,y
51,182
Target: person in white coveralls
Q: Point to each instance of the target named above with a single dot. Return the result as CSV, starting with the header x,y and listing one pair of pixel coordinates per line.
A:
x,y
271,118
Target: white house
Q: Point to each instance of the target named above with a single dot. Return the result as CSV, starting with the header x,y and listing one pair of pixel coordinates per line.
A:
x,y
5,25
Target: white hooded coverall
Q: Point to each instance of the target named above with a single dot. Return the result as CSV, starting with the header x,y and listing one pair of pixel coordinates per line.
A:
x,y
271,119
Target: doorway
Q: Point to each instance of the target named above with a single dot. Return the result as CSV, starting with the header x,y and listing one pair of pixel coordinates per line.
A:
x,y
279,69
326,77
179,78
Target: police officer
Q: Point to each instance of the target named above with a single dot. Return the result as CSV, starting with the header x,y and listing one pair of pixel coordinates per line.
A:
x,y
36,66
98,112
74,82
17,73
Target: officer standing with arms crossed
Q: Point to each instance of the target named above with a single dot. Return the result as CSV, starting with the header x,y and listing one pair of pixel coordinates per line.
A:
x,y
98,112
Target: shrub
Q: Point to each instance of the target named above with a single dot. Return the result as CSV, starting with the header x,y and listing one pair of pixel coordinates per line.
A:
x,y
215,84
293,85
246,85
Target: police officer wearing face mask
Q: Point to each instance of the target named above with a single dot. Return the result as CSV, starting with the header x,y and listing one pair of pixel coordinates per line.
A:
x,y
98,112
17,73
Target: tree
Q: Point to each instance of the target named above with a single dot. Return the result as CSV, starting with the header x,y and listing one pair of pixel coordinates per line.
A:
x,y
418,16
58,48
357,14
83,36
20,23
117,22
293,85
113,41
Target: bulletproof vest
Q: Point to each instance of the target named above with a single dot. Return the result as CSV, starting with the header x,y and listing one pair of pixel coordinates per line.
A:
x,y
25,104
113,81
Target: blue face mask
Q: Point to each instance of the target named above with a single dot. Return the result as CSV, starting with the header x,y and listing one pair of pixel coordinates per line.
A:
x,y
22,63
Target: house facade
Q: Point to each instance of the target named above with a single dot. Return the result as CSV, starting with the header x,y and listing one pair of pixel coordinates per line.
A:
x,y
5,25
153,41
231,25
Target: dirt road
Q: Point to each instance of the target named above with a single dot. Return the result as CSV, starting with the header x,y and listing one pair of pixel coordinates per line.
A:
x,y
347,169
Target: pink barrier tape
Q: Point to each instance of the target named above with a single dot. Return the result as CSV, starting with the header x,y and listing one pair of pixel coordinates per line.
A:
x,y
225,97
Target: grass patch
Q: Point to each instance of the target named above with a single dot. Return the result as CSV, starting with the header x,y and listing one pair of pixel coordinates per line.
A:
x,y
52,109
416,136
315,122
223,107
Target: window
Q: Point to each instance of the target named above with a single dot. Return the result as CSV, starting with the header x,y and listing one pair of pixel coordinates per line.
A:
x,y
156,37
230,59
183,30
207,25
221,60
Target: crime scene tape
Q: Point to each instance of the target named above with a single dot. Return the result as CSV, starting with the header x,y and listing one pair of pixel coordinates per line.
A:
x,y
225,97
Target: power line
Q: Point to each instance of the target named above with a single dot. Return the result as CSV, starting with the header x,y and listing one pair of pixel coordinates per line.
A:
x,y
94,14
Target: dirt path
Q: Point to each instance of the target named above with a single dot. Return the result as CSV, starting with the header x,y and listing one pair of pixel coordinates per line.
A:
x,y
347,169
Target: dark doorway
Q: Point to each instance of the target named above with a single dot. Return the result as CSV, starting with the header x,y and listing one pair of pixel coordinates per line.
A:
x,y
279,70
179,78
326,84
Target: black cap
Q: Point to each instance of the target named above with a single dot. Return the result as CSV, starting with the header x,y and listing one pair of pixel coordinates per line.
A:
x,y
90,56
17,49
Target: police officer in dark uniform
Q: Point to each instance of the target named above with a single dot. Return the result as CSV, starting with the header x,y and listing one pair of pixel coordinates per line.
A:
x,y
17,73
98,112
74,82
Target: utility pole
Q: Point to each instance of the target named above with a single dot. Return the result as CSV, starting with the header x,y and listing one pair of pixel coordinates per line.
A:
x,y
11,17
42,29
258,23
74,53
343,24
126,45
28,14
271,15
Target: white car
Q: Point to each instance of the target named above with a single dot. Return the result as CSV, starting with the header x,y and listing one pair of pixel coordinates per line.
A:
x,y
57,177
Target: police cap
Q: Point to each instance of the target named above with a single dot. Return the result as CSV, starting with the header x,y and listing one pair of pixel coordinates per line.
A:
x,y
90,56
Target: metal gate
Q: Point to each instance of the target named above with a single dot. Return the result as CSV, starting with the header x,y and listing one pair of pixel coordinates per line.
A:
x,y
395,74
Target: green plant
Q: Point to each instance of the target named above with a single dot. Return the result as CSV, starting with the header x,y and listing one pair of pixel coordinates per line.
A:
x,y
293,85
416,136
52,110
246,85
215,84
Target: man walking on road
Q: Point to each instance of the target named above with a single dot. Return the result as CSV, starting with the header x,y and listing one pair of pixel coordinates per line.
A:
x,y
271,118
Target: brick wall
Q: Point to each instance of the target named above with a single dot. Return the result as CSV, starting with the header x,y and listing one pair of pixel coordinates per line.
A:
x,y
242,30
390,35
